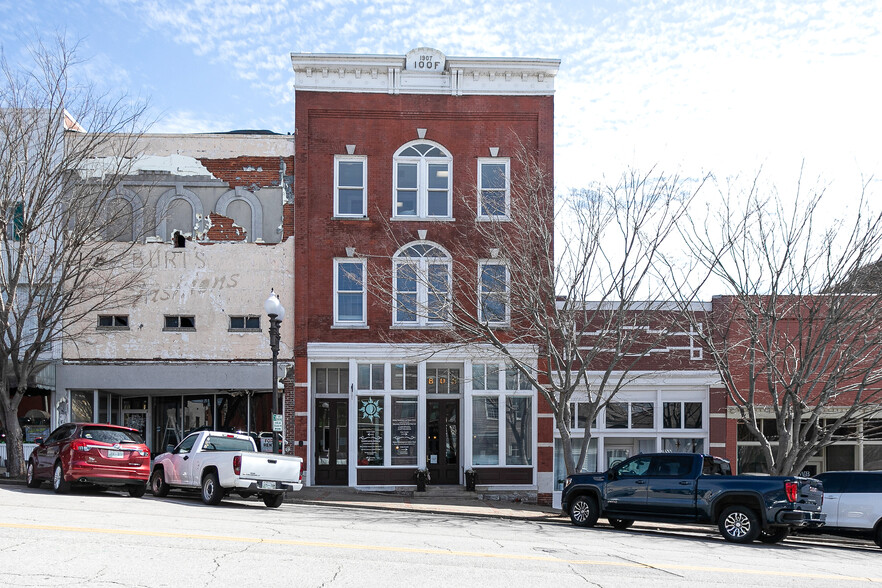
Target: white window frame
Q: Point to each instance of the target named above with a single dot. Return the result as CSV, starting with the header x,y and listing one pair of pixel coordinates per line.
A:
x,y
338,159
356,261
482,161
422,189
422,293
481,265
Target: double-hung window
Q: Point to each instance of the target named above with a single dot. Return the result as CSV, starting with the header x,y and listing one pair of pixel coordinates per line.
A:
x,y
349,292
422,180
493,292
422,285
493,188
350,186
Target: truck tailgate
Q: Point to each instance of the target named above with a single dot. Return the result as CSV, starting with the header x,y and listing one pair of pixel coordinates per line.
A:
x,y
267,466
811,494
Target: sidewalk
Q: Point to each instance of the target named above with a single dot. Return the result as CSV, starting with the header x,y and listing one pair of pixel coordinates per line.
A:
x,y
432,501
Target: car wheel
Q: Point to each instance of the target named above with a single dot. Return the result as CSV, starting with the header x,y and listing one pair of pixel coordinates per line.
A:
x,y
620,524
739,524
878,535
157,484
33,482
212,493
583,511
58,483
136,490
273,500
774,535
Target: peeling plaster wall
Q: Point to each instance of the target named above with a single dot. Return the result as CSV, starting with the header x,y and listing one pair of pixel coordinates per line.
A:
x,y
209,282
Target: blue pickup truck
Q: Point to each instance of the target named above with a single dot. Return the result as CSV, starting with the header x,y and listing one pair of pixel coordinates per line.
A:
x,y
694,488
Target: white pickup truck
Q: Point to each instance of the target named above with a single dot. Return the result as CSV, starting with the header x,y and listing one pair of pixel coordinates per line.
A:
x,y
219,463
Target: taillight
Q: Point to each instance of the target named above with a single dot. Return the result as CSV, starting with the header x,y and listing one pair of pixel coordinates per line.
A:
x,y
81,446
237,464
792,490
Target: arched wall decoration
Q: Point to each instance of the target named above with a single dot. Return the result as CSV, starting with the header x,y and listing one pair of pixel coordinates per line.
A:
x,y
241,193
137,205
165,201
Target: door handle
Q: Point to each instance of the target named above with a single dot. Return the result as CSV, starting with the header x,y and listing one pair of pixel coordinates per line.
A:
x,y
685,483
186,457
640,481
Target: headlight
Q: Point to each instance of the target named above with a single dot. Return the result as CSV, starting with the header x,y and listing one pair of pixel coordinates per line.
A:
x,y
567,482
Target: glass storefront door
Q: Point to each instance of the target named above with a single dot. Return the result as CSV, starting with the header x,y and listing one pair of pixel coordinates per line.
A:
x,y
167,424
331,435
442,441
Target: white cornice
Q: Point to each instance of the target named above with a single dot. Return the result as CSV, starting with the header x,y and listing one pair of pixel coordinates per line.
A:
x,y
338,72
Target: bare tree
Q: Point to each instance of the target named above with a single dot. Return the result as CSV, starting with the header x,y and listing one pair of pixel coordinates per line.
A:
x,y
792,338
57,215
530,300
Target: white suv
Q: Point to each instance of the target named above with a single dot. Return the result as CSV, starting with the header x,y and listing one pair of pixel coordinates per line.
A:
x,y
853,503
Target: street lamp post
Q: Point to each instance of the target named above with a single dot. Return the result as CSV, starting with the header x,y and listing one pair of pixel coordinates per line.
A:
x,y
276,313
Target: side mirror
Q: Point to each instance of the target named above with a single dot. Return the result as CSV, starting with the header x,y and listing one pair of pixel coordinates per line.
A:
x,y
38,440
611,475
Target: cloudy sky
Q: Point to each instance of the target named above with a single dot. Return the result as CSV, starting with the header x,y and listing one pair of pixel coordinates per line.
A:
x,y
687,85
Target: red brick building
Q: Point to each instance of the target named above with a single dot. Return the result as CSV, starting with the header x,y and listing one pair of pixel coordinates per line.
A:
x,y
396,156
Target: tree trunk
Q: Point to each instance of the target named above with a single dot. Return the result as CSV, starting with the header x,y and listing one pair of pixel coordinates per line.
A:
x,y
14,440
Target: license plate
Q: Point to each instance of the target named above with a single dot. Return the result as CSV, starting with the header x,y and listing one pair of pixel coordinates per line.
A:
x,y
268,485
114,453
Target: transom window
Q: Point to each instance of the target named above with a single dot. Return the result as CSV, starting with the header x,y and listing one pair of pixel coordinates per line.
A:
x,y
422,181
422,285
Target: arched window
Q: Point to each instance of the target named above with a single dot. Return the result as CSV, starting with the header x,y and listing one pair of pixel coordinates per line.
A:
x,y
422,284
423,176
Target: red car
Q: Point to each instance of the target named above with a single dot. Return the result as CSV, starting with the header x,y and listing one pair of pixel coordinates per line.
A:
x,y
91,453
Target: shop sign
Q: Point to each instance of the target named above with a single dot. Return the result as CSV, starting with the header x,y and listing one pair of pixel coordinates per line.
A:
x,y
425,59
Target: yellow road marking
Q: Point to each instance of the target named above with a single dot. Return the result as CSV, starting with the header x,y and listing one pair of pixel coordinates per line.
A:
x,y
423,551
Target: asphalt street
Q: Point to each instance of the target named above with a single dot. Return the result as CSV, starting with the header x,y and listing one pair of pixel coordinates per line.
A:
x,y
103,539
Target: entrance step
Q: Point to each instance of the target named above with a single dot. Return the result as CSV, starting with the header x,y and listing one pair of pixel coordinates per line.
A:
x,y
446,492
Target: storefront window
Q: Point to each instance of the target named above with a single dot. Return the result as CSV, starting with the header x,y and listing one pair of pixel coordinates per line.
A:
x,y
404,431
873,457
751,460
682,415
841,457
560,468
404,376
683,445
198,414
81,406
617,415
515,380
518,431
485,376
642,415
371,376
485,430
370,430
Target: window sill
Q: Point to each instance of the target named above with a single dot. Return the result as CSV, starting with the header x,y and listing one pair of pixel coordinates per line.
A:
x,y
240,330
489,219
431,219
112,329
343,217
179,330
420,328
345,326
